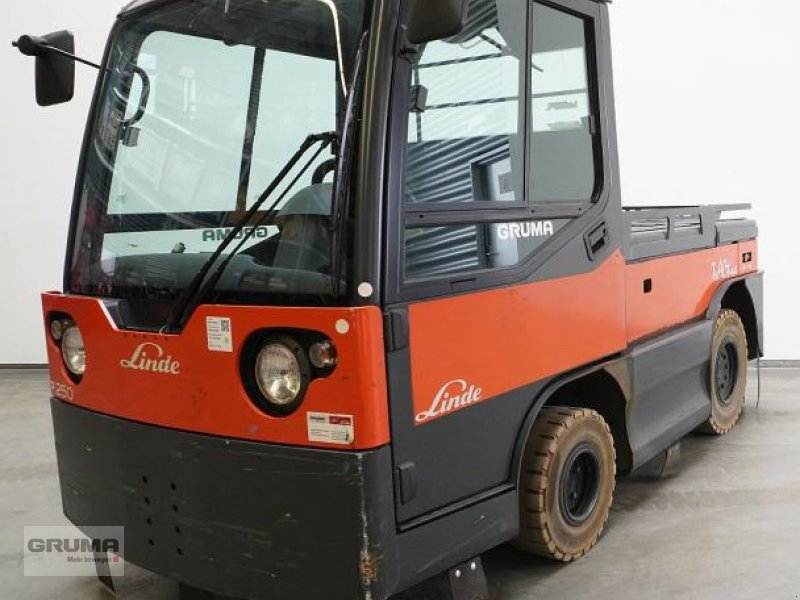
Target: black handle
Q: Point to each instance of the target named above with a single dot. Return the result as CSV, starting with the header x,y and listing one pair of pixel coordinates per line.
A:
x,y
597,239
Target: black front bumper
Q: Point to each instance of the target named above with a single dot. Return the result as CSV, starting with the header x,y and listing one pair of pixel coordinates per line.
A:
x,y
241,519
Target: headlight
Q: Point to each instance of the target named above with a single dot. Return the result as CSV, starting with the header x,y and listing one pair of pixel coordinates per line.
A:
x,y
278,374
57,329
73,351
323,355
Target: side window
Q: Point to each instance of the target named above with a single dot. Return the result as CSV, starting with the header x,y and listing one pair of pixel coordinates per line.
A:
x,y
474,141
467,142
562,147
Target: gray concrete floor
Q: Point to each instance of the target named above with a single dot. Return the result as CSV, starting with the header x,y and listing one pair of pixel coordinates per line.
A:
x,y
727,526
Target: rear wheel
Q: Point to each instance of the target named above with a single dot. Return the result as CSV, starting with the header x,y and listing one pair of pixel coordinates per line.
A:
x,y
728,374
567,483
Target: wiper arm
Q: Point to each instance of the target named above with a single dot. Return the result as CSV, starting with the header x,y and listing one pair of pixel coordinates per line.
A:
x,y
341,193
196,291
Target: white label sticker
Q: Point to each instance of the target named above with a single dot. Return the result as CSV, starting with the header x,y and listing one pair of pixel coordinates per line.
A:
x,y
331,429
220,334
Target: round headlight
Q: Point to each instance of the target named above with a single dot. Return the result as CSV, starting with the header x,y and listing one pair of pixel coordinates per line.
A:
x,y
73,351
278,374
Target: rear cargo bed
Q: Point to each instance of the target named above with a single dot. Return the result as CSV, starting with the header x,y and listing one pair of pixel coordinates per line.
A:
x,y
658,231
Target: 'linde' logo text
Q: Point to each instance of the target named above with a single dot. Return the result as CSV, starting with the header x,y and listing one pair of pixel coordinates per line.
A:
x,y
150,357
452,396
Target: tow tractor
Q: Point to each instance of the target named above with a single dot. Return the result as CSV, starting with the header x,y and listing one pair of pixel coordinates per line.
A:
x,y
350,296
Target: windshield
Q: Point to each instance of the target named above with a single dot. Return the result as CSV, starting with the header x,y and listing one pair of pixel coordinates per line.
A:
x,y
203,104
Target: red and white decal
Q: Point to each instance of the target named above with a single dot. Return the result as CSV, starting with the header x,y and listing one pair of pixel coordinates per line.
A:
x,y
331,429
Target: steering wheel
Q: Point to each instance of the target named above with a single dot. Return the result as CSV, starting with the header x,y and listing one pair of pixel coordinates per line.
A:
x,y
321,171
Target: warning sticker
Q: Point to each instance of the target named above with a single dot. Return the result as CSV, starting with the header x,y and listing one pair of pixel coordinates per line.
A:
x,y
220,334
331,429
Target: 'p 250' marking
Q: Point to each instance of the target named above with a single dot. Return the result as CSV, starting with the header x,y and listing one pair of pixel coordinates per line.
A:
x,y
62,391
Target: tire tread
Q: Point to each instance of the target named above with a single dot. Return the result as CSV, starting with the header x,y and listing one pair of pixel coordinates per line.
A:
x,y
712,426
535,535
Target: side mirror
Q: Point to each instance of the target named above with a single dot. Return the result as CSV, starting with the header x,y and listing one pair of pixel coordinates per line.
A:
x,y
55,67
430,20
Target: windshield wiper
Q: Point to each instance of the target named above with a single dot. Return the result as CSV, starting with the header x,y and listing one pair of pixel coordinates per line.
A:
x,y
341,194
202,283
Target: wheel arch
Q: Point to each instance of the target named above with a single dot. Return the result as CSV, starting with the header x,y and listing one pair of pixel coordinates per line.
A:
x,y
604,388
744,296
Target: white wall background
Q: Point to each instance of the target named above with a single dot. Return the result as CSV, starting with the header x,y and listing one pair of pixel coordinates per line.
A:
x,y
707,105
38,158
707,111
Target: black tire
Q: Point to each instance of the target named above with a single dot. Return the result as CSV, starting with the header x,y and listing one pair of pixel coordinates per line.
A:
x,y
727,375
567,483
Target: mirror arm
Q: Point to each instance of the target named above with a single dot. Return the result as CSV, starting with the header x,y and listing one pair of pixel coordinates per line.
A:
x,y
144,98
33,46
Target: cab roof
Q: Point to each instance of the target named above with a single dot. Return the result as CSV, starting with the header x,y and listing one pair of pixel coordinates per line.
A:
x,y
136,4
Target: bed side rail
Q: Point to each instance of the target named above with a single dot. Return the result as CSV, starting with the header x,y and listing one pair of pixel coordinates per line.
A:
x,y
657,231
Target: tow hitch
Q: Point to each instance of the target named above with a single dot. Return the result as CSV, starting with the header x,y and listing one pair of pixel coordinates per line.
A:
x,y
466,581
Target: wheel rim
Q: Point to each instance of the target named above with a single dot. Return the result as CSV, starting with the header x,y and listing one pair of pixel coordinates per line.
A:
x,y
580,485
726,372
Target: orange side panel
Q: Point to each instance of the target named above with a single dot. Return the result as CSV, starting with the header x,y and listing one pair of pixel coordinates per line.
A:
x,y
206,395
470,348
682,286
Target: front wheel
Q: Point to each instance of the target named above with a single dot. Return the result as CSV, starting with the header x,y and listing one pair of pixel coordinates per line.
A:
x,y
728,374
567,483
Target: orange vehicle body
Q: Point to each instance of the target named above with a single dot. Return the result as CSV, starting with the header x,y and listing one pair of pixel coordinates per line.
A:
x,y
206,395
542,329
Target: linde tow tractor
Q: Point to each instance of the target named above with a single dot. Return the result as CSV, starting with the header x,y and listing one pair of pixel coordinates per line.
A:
x,y
350,296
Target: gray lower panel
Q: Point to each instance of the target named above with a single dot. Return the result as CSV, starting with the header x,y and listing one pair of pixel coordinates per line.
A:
x,y
241,519
439,545
670,384
259,521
